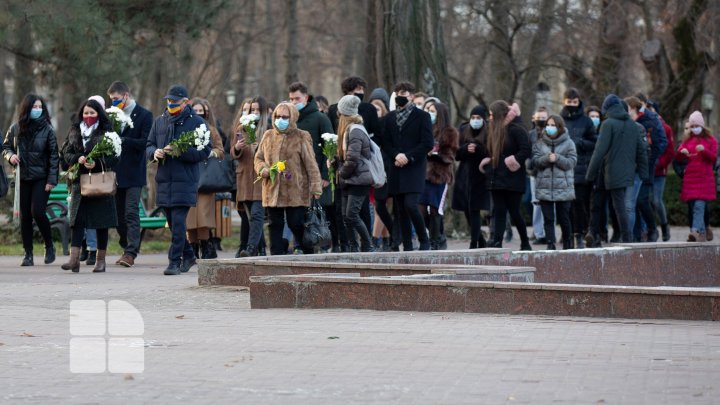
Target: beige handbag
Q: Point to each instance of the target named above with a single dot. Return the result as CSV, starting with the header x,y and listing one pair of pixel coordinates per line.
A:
x,y
101,184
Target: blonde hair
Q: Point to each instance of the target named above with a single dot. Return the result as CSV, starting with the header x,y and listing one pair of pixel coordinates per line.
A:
x,y
344,123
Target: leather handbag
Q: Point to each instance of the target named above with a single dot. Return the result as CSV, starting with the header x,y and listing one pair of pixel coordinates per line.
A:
x,y
317,227
103,184
216,176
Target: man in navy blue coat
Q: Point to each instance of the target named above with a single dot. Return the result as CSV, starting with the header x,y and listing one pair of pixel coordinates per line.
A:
x,y
177,177
406,139
131,170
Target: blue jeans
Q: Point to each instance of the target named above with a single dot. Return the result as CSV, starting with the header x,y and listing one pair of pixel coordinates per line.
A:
x,y
91,239
537,215
658,204
631,196
698,215
180,248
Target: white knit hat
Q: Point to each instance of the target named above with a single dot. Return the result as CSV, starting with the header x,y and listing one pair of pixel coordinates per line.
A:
x,y
99,99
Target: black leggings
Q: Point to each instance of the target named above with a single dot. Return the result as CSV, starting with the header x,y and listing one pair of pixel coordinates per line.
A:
x,y
475,221
33,203
505,201
78,234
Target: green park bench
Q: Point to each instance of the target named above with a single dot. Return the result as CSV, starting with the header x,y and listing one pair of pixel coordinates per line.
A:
x,y
58,214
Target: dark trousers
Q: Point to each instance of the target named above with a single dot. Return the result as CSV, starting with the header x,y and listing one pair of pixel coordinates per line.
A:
x,y
33,204
365,213
388,220
354,225
78,234
617,204
405,207
256,214
474,221
127,202
244,228
295,218
505,202
337,226
562,210
644,211
180,248
581,208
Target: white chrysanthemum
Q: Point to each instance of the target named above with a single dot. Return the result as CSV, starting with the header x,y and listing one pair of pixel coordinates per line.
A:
x,y
328,137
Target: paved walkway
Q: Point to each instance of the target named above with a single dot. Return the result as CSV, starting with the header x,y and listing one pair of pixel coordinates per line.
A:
x,y
204,345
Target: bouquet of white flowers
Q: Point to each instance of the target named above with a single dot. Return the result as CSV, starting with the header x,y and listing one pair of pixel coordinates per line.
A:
x,y
329,150
198,138
249,125
118,118
109,145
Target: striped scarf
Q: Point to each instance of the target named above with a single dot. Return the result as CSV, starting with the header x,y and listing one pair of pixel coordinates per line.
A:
x,y
404,114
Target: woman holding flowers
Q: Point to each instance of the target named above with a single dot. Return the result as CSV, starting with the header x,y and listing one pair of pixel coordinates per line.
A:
x,y
31,147
89,128
249,127
354,174
285,163
201,217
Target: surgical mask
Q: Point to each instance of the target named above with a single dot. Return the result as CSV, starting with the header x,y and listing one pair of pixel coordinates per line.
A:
x,y
595,121
90,121
36,113
174,108
696,130
282,124
476,124
360,96
433,117
552,131
401,101
300,106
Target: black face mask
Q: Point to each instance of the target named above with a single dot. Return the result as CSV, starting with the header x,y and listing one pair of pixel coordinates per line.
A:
x,y
401,101
360,96
572,109
540,123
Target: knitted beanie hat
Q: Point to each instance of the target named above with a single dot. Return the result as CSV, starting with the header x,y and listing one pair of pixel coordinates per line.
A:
x,y
348,105
696,118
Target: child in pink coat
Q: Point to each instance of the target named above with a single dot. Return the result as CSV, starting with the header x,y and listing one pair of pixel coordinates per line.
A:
x,y
699,148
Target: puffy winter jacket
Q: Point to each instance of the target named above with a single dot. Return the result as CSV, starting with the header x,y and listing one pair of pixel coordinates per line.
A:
x,y
38,152
699,180
554,181
354,169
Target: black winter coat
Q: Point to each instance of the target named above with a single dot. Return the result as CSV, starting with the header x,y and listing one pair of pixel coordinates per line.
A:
x,y
582,132
38,152
469,189
177,178
90,212
316,124
415,140
517,143
132,168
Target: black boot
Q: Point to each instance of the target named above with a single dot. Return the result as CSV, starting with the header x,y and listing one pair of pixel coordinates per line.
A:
x,y
204,250
579,241
551,246
250,251
28,259
567,244
211,252
49,254
473,244
92,258
481,243
83,252
665,232
386,244
196,249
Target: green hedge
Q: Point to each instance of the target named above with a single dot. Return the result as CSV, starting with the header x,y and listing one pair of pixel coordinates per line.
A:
x,y
676,209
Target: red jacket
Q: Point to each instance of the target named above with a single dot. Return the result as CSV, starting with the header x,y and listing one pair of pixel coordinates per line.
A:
x,y
699,180
667,157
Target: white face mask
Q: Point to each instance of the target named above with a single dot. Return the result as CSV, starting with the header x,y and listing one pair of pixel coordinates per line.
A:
x,y
696,130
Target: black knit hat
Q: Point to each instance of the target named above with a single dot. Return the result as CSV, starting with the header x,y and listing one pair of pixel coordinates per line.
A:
x,y
479,110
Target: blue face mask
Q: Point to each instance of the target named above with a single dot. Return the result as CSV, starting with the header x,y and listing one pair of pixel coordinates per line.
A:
x,y
476,124
36,113
282,124
595,121
300,106
552,131
433,117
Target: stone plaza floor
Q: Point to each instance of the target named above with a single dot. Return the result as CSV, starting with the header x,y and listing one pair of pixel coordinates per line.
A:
x,y
205,345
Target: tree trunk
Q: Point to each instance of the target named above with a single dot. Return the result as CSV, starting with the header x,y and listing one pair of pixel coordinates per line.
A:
x,y
501,82
614,31
270,65
293,53
24,79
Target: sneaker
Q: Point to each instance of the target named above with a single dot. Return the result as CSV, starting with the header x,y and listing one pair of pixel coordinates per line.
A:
x,y
172,270
297,251
187,264
49,254
696,236
126,261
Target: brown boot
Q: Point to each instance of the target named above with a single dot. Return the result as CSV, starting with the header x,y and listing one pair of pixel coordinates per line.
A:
x,y
100,263
74,263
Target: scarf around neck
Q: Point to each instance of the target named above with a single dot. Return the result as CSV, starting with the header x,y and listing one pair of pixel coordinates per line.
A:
x,y
404,114
86,132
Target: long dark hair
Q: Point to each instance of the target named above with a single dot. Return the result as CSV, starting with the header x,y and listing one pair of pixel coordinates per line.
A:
x,y
496,136
442,119
25,123
104,124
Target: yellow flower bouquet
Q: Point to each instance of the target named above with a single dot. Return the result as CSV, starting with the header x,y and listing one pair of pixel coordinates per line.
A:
x,y
277,168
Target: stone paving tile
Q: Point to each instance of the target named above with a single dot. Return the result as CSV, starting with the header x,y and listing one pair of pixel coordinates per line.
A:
x,y
222,352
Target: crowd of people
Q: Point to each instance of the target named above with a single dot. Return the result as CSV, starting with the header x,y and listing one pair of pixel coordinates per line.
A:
x,y
583,169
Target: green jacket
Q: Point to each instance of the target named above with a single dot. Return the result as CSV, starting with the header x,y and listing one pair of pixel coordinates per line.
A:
x,y
621,150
